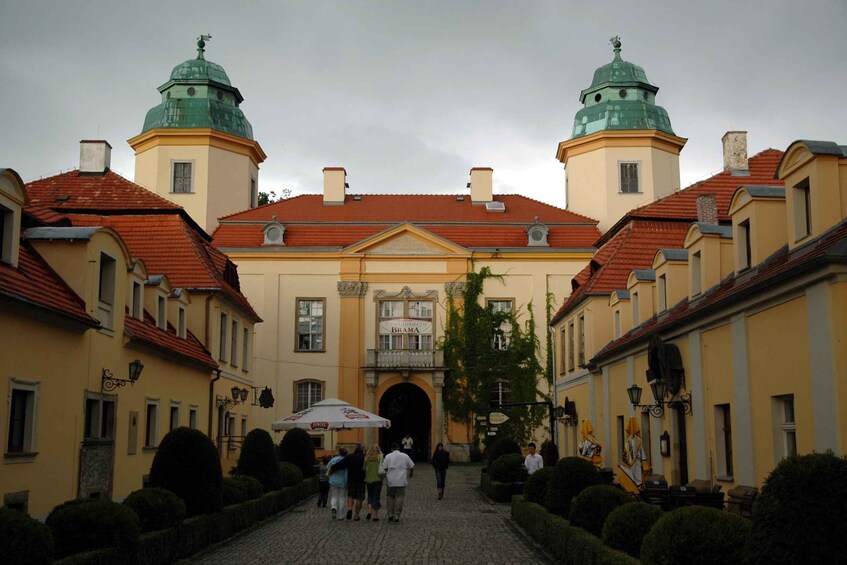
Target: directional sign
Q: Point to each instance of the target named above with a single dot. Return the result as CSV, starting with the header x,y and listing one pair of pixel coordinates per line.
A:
x,y
497,418
492,428
492,433
482,418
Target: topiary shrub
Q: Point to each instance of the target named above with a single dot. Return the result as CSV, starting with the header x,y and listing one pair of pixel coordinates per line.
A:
x,y
290,474
590,508
696,535
252,487
157,508
571,476
187,464
24,540
627,525
794,516
501,447
550,453
507,468
83,525
258,459
297,447
535,489
233,491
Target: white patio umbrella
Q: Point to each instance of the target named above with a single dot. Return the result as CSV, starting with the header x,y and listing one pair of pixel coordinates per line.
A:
x,y
331,414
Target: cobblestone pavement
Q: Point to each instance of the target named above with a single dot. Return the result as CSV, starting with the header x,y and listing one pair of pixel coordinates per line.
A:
x,y
464,527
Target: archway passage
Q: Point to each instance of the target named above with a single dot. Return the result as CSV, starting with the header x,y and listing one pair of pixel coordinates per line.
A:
x,y
410,411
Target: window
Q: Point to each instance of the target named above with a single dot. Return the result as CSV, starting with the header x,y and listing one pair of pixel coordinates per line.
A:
x,y
723,441
161,313
233,349
254,194
646,439
222,346
137,301
310,325
802,210
696,266
245,349
243,427
570,345
662,287
563,346
405,324
501,392
192,417
99,417
308,392
629,178
617,323
501,308
621,439
182,177
7,224
318,442
635,313
581,340
181,329
230,427
151,424
744,254
106,291
174,417
786,437
22,418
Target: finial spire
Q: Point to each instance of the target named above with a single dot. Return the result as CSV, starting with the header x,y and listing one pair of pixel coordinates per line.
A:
x,y
201,43
616,43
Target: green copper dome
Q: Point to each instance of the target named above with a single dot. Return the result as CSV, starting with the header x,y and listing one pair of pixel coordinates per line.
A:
x,y
620,98
199,95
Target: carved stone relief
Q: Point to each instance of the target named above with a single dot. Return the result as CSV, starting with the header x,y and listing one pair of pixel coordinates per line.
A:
x,y
352,288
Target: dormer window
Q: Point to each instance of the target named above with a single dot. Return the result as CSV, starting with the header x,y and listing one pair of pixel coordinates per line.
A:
x,y
7,223
635,313
662,291
161,313
274,233
137,301
802,210
744,247
537,234
181,326
696,267
106,290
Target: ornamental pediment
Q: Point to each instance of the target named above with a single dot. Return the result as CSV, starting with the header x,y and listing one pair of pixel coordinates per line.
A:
x,y
406,239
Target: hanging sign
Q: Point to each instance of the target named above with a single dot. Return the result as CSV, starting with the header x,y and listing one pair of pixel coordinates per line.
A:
x,y
405,326
497,418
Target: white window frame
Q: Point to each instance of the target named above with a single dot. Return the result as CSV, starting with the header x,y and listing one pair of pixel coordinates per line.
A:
x,y
310,387
637,175
96,423
316,340
174,164
501,340
30,418
107,279
784,411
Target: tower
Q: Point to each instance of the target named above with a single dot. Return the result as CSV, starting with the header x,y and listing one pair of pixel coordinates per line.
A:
x,y
196,147
622,153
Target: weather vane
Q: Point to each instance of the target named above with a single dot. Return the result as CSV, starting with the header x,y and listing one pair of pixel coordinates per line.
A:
x,y
201,43
616,43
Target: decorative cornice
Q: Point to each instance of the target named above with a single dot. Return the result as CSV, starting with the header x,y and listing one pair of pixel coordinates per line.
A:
x,y
405,293
455,289
352,288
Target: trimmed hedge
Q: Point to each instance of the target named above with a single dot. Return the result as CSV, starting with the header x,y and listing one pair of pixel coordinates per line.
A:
x,y
590,508
157,508
290,474
297,447
799,514
187,464
501,447
535,489
627,525
568,544
24,540
82,525
696,535
252,487
570,476
507,468
233,492
258,459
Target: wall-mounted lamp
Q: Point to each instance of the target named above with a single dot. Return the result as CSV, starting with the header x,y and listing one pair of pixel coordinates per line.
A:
x,y
109,383
665,444
659,390
239,395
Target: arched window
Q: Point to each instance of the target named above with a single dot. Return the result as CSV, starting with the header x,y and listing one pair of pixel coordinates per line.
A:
x,y
307,393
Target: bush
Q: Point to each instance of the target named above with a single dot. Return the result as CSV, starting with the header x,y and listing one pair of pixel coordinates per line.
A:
x,y
252,487
799,514
501,447
696,535
290,473
297,447
590,508
535,489
258,459
570,476
550,453
82,525
233,491
157,508
627,525
507,468
187,464
24,540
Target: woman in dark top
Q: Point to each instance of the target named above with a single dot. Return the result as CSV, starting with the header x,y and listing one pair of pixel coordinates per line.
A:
x,y
440,461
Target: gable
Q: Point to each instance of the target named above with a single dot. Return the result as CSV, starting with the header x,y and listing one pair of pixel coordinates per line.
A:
x,y
406,239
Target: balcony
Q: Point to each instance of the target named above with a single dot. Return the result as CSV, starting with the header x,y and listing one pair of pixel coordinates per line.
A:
x,y
394,359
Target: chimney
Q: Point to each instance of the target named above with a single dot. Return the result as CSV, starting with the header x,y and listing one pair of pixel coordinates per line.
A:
x,y
735,151
335,183
481,185
707,208
95,156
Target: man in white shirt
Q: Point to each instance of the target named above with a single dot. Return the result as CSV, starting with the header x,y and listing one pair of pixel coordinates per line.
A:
x,y
533,461
397,468
408,444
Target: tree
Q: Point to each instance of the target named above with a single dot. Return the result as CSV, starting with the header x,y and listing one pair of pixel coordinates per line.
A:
x,y
270,197
476,366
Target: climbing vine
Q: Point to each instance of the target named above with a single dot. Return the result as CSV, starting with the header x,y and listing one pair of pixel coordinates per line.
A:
x,y
475,365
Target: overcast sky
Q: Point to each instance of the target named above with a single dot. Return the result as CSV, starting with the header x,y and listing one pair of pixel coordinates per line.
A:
x,y
408,96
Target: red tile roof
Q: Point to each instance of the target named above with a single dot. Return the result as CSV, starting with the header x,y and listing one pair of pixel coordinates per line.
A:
x,y
75,191
34,282
308,223
147,333
783,265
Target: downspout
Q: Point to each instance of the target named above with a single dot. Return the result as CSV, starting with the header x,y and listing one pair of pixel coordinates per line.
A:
x,y
555,434
212,399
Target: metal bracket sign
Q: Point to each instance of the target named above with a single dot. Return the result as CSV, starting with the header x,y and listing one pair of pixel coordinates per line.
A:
x,y
497,418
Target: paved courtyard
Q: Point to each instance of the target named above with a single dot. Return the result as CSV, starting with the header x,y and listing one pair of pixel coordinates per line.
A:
x,y
462,528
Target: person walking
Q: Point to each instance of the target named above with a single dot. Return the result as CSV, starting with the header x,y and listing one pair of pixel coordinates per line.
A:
x,y
355,464
408,445
440,462
373,481
338,484
323,482
533,461
397,468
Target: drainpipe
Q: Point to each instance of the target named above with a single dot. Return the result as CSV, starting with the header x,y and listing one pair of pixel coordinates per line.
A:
x,y
212,399
555,433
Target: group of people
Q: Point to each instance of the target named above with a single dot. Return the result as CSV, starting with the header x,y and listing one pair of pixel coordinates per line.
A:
x,y
347,479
